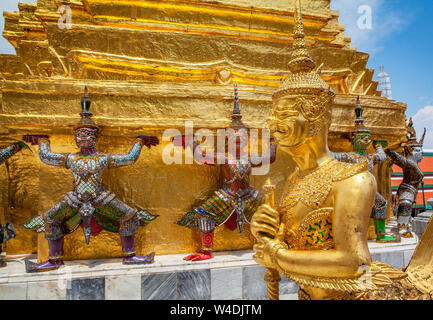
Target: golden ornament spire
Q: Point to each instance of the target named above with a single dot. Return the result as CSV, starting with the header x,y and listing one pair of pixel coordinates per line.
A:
x,y
301,60
86,116
304,79
411,136
359,122
236,115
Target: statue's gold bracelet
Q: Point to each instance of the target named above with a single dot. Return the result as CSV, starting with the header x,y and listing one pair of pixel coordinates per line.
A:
x,y
273,248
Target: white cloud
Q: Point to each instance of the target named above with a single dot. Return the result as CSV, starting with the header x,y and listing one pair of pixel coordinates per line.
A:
x,y
385,22
424,119
425,100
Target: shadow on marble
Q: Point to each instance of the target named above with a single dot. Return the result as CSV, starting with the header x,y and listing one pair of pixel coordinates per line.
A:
x,y
287,286
160,286
193,285
87,289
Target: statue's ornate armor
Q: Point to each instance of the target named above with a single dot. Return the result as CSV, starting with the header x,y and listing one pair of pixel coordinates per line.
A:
x,y
89,199
315,230
314,233
408,189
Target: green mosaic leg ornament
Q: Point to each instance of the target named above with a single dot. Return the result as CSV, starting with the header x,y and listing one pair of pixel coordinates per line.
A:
x,y
188,220
380,232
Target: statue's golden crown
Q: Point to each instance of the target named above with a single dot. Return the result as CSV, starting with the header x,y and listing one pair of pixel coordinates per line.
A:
x,y
304,78
86,116
411,136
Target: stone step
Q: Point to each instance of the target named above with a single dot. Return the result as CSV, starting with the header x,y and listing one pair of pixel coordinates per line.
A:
x,y
420,222
230,275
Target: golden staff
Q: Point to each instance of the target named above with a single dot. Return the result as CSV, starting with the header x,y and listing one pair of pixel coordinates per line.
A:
x,y
272,276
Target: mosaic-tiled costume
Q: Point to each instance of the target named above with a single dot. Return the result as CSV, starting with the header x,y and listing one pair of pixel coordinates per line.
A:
x,y
361,141
89,204
89,198
234,204
8,232
412,177
8,152
226,203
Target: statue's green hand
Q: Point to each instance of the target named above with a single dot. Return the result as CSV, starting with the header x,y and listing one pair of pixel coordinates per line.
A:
x,y
188,220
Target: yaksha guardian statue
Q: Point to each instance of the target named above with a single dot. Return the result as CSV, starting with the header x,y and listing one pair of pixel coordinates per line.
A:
x,y
317,235
361,140
8,231
412,177
89,204
234,203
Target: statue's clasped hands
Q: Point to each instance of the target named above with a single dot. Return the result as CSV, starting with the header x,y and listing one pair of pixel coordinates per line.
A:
x,y
265,226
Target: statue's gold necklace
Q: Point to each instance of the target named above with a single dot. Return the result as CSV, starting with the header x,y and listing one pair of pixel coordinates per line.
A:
x,y
313,189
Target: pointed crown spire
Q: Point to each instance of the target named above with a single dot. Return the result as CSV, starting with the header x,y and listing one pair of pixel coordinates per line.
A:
x,y
86,115
411,136
304,79
421,142
236,115
236,111
301,60
359,122
85,101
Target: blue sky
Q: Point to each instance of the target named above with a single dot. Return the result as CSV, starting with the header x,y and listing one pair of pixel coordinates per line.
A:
x,y
400,38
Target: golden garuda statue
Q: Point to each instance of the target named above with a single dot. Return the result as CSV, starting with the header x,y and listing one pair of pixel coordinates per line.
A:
x,y
317,235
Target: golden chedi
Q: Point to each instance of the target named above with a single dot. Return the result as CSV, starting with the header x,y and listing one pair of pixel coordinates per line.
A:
x,y
317,235
151,66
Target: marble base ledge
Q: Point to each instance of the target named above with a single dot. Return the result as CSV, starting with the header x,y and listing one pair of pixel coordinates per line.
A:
x,y
230,275
421,222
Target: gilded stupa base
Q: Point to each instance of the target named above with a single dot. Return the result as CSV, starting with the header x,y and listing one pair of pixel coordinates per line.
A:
x,y
31,188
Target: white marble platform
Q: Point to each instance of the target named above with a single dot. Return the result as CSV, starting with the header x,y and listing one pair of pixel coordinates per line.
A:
x,y
421,222
228,276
